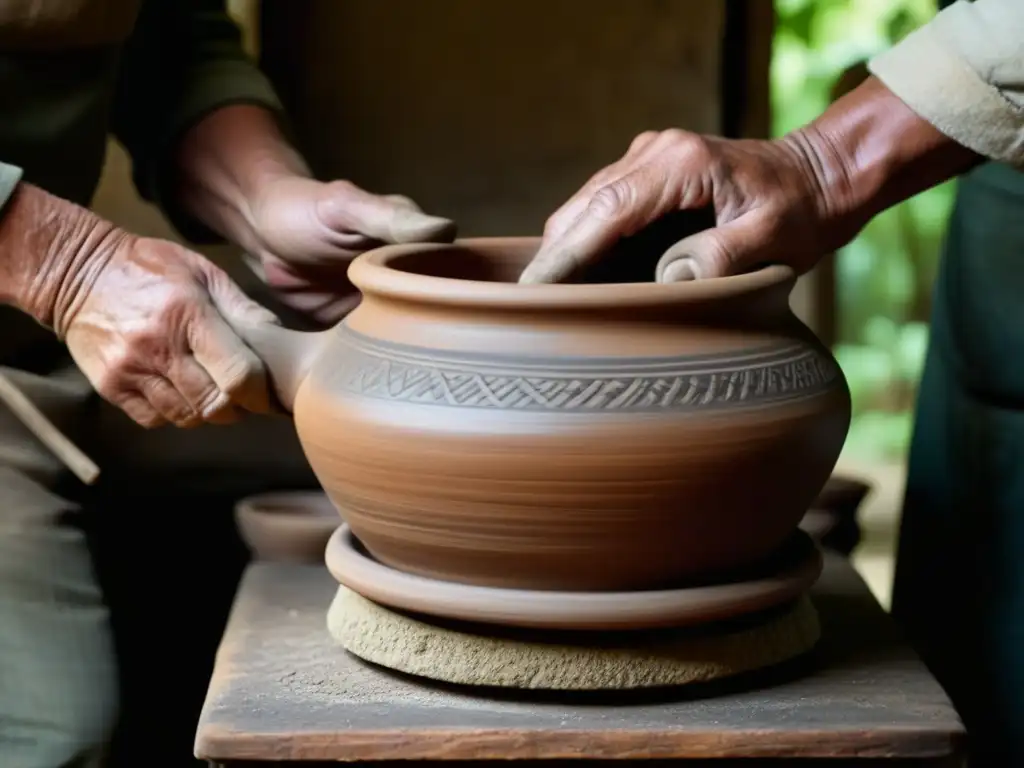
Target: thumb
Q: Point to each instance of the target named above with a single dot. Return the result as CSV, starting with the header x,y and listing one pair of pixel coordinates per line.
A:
x,y
392,219
727,249
232,302
221,350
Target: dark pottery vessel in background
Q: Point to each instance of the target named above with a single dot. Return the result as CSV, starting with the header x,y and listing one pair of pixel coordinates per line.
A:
x,y
832,519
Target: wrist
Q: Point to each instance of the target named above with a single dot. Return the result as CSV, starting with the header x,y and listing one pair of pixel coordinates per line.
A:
x,y
226,160
52,250
870,151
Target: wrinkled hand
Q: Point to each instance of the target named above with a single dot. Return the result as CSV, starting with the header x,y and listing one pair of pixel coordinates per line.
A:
x,y
770,200
306,233
147,321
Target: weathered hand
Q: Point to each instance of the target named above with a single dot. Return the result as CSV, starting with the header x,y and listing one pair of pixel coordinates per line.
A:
x,y
768,201
306,233
241,177
147,322
791,200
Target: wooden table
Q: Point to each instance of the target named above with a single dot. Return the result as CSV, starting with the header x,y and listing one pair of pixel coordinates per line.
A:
x,y
282,691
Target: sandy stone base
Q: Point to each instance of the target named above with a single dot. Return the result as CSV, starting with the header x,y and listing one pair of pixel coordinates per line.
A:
x,y
600,661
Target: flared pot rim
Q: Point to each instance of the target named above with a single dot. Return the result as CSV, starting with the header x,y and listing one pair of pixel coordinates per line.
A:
x,y
374,274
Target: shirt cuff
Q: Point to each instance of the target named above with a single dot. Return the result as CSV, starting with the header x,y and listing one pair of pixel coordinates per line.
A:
x,y
216,85
931,71
10,177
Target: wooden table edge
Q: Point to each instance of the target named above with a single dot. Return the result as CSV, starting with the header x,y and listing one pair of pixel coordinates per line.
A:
x,y
221,745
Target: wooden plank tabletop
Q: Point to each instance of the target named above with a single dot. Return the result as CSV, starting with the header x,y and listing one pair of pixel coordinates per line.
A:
x,y
282,690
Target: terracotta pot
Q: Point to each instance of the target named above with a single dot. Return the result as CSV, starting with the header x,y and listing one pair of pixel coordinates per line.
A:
x,y
288,526
574,437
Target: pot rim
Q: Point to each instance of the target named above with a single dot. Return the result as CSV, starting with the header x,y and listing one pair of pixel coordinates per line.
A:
x,y
372,273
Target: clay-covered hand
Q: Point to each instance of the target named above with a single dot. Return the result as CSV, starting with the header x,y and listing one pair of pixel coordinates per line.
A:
x,y
146,320
765,195
307,232
790,200
241,177
148,324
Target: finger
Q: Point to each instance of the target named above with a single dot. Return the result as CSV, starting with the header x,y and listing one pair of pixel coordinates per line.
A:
x,y
229,299
140,411
643,150
234,367
347,207
616,211
404,202
168,402
725,250
641,142
588,236
238,373
565,217
200,391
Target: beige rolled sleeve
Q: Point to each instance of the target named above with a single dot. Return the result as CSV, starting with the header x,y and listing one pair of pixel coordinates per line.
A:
x,y
963,72
10,175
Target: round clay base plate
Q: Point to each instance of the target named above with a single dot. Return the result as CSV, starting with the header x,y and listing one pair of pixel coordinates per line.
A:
x,y
797,568
628,660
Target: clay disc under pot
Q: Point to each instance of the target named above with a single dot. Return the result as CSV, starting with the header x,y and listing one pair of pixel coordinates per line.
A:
x,y
542,660
789,575
290,526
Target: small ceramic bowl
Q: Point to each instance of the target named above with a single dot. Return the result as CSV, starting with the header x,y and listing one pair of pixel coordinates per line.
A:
x,y
289,526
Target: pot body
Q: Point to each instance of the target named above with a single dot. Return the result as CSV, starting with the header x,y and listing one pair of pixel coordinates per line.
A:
x,y
588,448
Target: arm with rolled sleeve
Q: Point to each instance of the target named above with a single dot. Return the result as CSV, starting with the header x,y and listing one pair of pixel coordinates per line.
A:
x,y
184,61
963,72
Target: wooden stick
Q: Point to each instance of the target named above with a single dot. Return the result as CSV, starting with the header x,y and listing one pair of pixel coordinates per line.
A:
x,y
12,396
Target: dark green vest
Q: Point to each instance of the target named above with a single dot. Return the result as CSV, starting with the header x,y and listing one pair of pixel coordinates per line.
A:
x,y
959,589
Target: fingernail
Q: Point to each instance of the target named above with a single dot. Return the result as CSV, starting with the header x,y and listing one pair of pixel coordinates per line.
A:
x,y
529,276
221,401
409,224
679,271
535,272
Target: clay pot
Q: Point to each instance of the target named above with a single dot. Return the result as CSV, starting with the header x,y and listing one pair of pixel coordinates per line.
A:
x,y
291,527
572,437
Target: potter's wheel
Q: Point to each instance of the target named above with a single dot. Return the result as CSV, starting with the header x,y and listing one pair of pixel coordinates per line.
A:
x,y
489,656
782,581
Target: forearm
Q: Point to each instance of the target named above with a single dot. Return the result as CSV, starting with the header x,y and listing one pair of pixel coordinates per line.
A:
x,y
50,249
184,65
963,72
224,160
870,151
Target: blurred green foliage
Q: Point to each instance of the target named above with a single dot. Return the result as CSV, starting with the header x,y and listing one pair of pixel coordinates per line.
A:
x,y
884,277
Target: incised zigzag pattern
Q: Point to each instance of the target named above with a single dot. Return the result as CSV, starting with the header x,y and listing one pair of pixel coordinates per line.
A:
x,y
400,373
